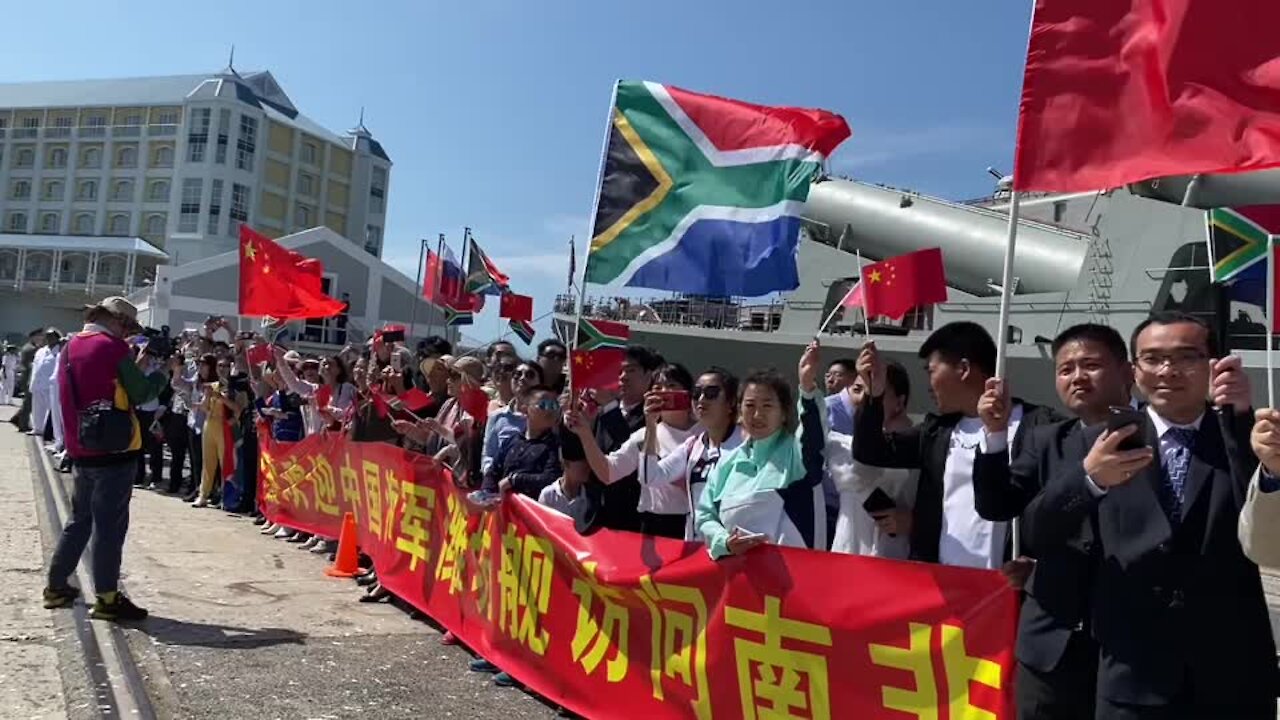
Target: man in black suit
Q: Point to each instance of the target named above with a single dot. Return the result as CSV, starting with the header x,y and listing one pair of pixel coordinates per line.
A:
x,y
1057,658
614,505
943,526
1177,609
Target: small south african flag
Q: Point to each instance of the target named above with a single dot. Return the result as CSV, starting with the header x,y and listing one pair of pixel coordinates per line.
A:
x,y
522,328
595,334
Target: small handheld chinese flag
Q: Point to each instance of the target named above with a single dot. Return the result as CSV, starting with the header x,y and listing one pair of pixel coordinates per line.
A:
x,y
596,369
892,287
516,307
258,354
280,283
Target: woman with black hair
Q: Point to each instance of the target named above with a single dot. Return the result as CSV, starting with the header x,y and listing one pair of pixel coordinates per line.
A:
x,y
663,506
769,489
715,406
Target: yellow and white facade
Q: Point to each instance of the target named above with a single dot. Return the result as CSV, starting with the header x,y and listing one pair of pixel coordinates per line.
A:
x,y
182,161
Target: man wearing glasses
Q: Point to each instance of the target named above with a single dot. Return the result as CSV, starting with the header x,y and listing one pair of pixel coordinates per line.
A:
x,y
552,355
1178,610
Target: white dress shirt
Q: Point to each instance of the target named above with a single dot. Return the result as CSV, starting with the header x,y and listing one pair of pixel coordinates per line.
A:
x,y
967,540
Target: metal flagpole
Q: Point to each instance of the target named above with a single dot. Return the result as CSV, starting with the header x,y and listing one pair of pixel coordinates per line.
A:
x,y
417,298
1002,340
1271,323
595,207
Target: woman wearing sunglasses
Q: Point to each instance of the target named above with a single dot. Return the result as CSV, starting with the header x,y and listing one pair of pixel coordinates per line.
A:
x,y
769,488
508,421
715,406
663,506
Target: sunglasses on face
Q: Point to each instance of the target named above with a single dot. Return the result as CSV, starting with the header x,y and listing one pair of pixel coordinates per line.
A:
x,y
710,392
547,405
528,374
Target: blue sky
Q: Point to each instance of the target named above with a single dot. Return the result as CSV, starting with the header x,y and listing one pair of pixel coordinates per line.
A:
x,y
493,111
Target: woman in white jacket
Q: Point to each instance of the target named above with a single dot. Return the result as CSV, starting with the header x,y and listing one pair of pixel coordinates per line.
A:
x,y
715,407
664,507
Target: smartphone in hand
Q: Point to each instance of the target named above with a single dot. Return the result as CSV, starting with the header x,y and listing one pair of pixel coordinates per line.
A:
x,y
674,400
878,501
1120,417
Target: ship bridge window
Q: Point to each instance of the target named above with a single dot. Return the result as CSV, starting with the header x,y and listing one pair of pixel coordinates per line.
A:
x,y
1186,286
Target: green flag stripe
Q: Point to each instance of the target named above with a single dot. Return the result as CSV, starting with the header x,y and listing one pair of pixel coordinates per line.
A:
x,y
1254,237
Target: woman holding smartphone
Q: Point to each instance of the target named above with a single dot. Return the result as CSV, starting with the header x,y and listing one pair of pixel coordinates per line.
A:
x,y
769,489
663,505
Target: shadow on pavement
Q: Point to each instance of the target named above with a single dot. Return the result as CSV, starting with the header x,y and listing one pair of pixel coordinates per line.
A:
x,y
170,631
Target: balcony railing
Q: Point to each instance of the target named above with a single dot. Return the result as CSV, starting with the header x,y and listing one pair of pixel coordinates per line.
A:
x,y
162,130
92,131
61,131
683,310
126,131
25,132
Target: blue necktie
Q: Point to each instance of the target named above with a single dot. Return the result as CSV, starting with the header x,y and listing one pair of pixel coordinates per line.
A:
x,y
1177,461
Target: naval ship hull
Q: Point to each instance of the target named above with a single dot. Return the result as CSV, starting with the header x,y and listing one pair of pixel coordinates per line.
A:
x,y
1109,257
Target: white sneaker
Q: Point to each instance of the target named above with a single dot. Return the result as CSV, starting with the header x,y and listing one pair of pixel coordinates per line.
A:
x,y
199,503
269,529
283,533
310,543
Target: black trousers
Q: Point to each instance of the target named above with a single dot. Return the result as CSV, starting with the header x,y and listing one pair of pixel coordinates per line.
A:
x,y
197,455
175,436
1065,693
152,457
661,525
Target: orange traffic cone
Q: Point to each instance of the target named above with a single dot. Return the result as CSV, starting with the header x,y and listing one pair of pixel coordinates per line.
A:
x,y
345,564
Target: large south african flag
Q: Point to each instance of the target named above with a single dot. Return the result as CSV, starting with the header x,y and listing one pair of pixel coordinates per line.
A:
x,y
703,194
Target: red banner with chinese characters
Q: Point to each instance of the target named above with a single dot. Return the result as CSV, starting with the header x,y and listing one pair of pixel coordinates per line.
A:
x,y
624,625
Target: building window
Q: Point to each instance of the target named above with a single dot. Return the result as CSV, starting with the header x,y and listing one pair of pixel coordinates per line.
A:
x,y
75,269
87,190
17,222
119,225
26,158
155,226
309,153
95,126
49,223
215,207
30,128
126,157
198,134
239,212
189,210
302,216
110,270
158,191
57,158
306,184
53,190
122,191
21,190
84,224
224,125
373,239
39,267
8,265
247,143
163,157
378,191
61,128
92,158
166,123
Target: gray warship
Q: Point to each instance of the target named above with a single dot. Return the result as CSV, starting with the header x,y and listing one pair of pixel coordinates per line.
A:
x,y
1111,257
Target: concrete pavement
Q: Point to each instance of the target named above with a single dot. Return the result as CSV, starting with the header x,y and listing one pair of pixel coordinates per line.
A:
x,y
241,626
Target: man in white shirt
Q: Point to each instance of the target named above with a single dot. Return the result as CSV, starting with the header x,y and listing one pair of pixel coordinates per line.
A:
x,y
8,374
41,386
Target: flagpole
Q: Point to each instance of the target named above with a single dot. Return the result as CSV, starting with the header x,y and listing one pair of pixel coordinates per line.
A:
x,y
595,207
417,297
1002,327
823,327
866,316
1271,323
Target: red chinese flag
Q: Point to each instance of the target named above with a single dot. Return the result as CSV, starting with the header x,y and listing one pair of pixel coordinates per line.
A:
x,y
414,399
516,307
474,402
1118,91
596,369
380,404
894,286
431,278
280,283
258,354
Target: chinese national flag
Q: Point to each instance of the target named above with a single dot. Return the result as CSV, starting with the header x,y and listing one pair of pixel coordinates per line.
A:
x,y
280,283
1118,91
596,369
516,307
894,286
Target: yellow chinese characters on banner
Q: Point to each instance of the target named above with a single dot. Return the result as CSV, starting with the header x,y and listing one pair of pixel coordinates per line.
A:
x,y
326,489
678,636
267,475
525,578
415,521
349,480
296,486
921,701
373,497
451,567
777,682
593,640
481,546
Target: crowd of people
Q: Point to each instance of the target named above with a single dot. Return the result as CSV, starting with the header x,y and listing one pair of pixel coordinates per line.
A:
x,y
1137,597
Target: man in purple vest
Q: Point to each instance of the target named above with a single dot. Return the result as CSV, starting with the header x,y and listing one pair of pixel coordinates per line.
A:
x,y
100,370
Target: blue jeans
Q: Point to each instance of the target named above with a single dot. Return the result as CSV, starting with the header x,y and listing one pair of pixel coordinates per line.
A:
x,y
99,508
